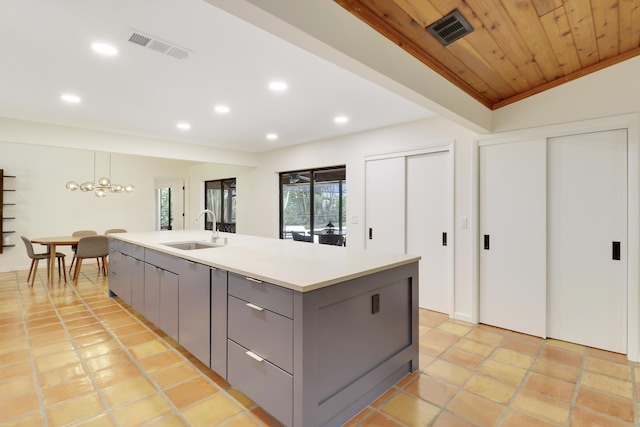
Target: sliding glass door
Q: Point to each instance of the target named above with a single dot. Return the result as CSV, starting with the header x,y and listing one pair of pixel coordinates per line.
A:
x,y
220,197
313,203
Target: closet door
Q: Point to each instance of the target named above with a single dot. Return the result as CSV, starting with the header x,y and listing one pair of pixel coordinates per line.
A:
x,y
512,236
587,239
385,204
429,234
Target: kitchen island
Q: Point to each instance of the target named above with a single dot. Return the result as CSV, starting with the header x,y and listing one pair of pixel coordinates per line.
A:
x,y
311,333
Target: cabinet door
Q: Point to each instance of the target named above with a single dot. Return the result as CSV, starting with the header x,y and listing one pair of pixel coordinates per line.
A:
x,y
169,300
152,293
116,271
194,310
513,236
137,284
125,279
219,321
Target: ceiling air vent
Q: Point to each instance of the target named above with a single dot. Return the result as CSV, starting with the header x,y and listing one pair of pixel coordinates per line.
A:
x,y
450,28
154,43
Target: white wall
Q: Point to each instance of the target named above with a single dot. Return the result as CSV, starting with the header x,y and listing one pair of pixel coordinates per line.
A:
x,y
200,173
258,198
608,92
45,208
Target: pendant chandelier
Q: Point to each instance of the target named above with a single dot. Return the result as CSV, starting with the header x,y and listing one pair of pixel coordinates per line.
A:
x,y
102,186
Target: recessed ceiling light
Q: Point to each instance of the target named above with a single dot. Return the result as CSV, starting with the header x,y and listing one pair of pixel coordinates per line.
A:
x,y
70,98
272,136
341,119
222,109
184,126
104,49
278,86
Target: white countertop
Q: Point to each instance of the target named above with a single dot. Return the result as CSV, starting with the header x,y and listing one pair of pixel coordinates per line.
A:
x,y
295,265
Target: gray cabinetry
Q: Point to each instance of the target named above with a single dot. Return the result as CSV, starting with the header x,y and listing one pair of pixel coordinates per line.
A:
x,y
194,308
313,358
169,299
126,272
260,347
219,280
117,268
136,271
152,293
162,278
265,383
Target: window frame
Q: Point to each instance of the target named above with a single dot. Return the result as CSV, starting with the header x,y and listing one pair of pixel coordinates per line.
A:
x,y
340,226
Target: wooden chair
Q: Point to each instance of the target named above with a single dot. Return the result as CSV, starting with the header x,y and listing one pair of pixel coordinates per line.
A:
x,y
36,257
80,233
91,247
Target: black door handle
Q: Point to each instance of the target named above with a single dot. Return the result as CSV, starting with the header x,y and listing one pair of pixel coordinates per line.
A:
x,y
444,239
486,242
370,233
616,251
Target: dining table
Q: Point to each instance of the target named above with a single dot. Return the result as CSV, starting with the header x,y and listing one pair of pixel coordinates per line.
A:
x,y
52,243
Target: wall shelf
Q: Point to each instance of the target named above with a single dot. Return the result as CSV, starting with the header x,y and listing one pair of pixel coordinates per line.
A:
x,y
2,212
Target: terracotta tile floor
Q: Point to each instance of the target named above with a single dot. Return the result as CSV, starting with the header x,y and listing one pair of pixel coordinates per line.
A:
x,y
71,356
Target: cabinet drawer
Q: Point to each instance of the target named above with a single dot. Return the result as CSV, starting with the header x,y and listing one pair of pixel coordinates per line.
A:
x,y
267,334
267,385
114,245
164,261
272,297
132,250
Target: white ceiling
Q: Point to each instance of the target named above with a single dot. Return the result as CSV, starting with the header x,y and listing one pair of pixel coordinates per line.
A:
x,y
46,50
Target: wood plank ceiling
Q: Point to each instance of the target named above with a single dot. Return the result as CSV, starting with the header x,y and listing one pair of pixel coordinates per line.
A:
x,y
517,47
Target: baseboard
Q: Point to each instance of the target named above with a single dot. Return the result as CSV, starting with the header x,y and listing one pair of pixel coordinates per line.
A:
x,y
462,316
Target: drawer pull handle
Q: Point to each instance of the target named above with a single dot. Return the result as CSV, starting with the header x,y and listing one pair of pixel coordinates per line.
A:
x,y
255,307
254,356
253,280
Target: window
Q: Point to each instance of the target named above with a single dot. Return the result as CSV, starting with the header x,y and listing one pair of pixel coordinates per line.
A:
x,y
220,197
165,208
313,203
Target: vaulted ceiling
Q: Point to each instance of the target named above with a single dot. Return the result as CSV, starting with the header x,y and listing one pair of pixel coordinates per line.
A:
x,y
516,48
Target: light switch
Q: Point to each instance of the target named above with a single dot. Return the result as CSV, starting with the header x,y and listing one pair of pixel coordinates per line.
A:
x,y
354,219
463,222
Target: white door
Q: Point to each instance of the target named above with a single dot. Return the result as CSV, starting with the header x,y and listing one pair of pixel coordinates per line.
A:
x,y
513,236
429,234
385,204
587,230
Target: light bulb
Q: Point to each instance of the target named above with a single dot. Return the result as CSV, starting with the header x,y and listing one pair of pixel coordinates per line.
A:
x,y
100,193
87,186
116,188
72,186
129,188
104,182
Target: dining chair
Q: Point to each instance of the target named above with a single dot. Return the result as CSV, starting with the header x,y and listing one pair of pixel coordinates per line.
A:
x,y
331,239
80,233
114,230
91,247
299,237
36,257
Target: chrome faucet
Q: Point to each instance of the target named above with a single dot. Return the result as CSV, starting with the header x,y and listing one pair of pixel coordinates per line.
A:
x,y
214,232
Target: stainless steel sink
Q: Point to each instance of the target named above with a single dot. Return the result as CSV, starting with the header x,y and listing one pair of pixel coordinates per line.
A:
x,y
191,245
